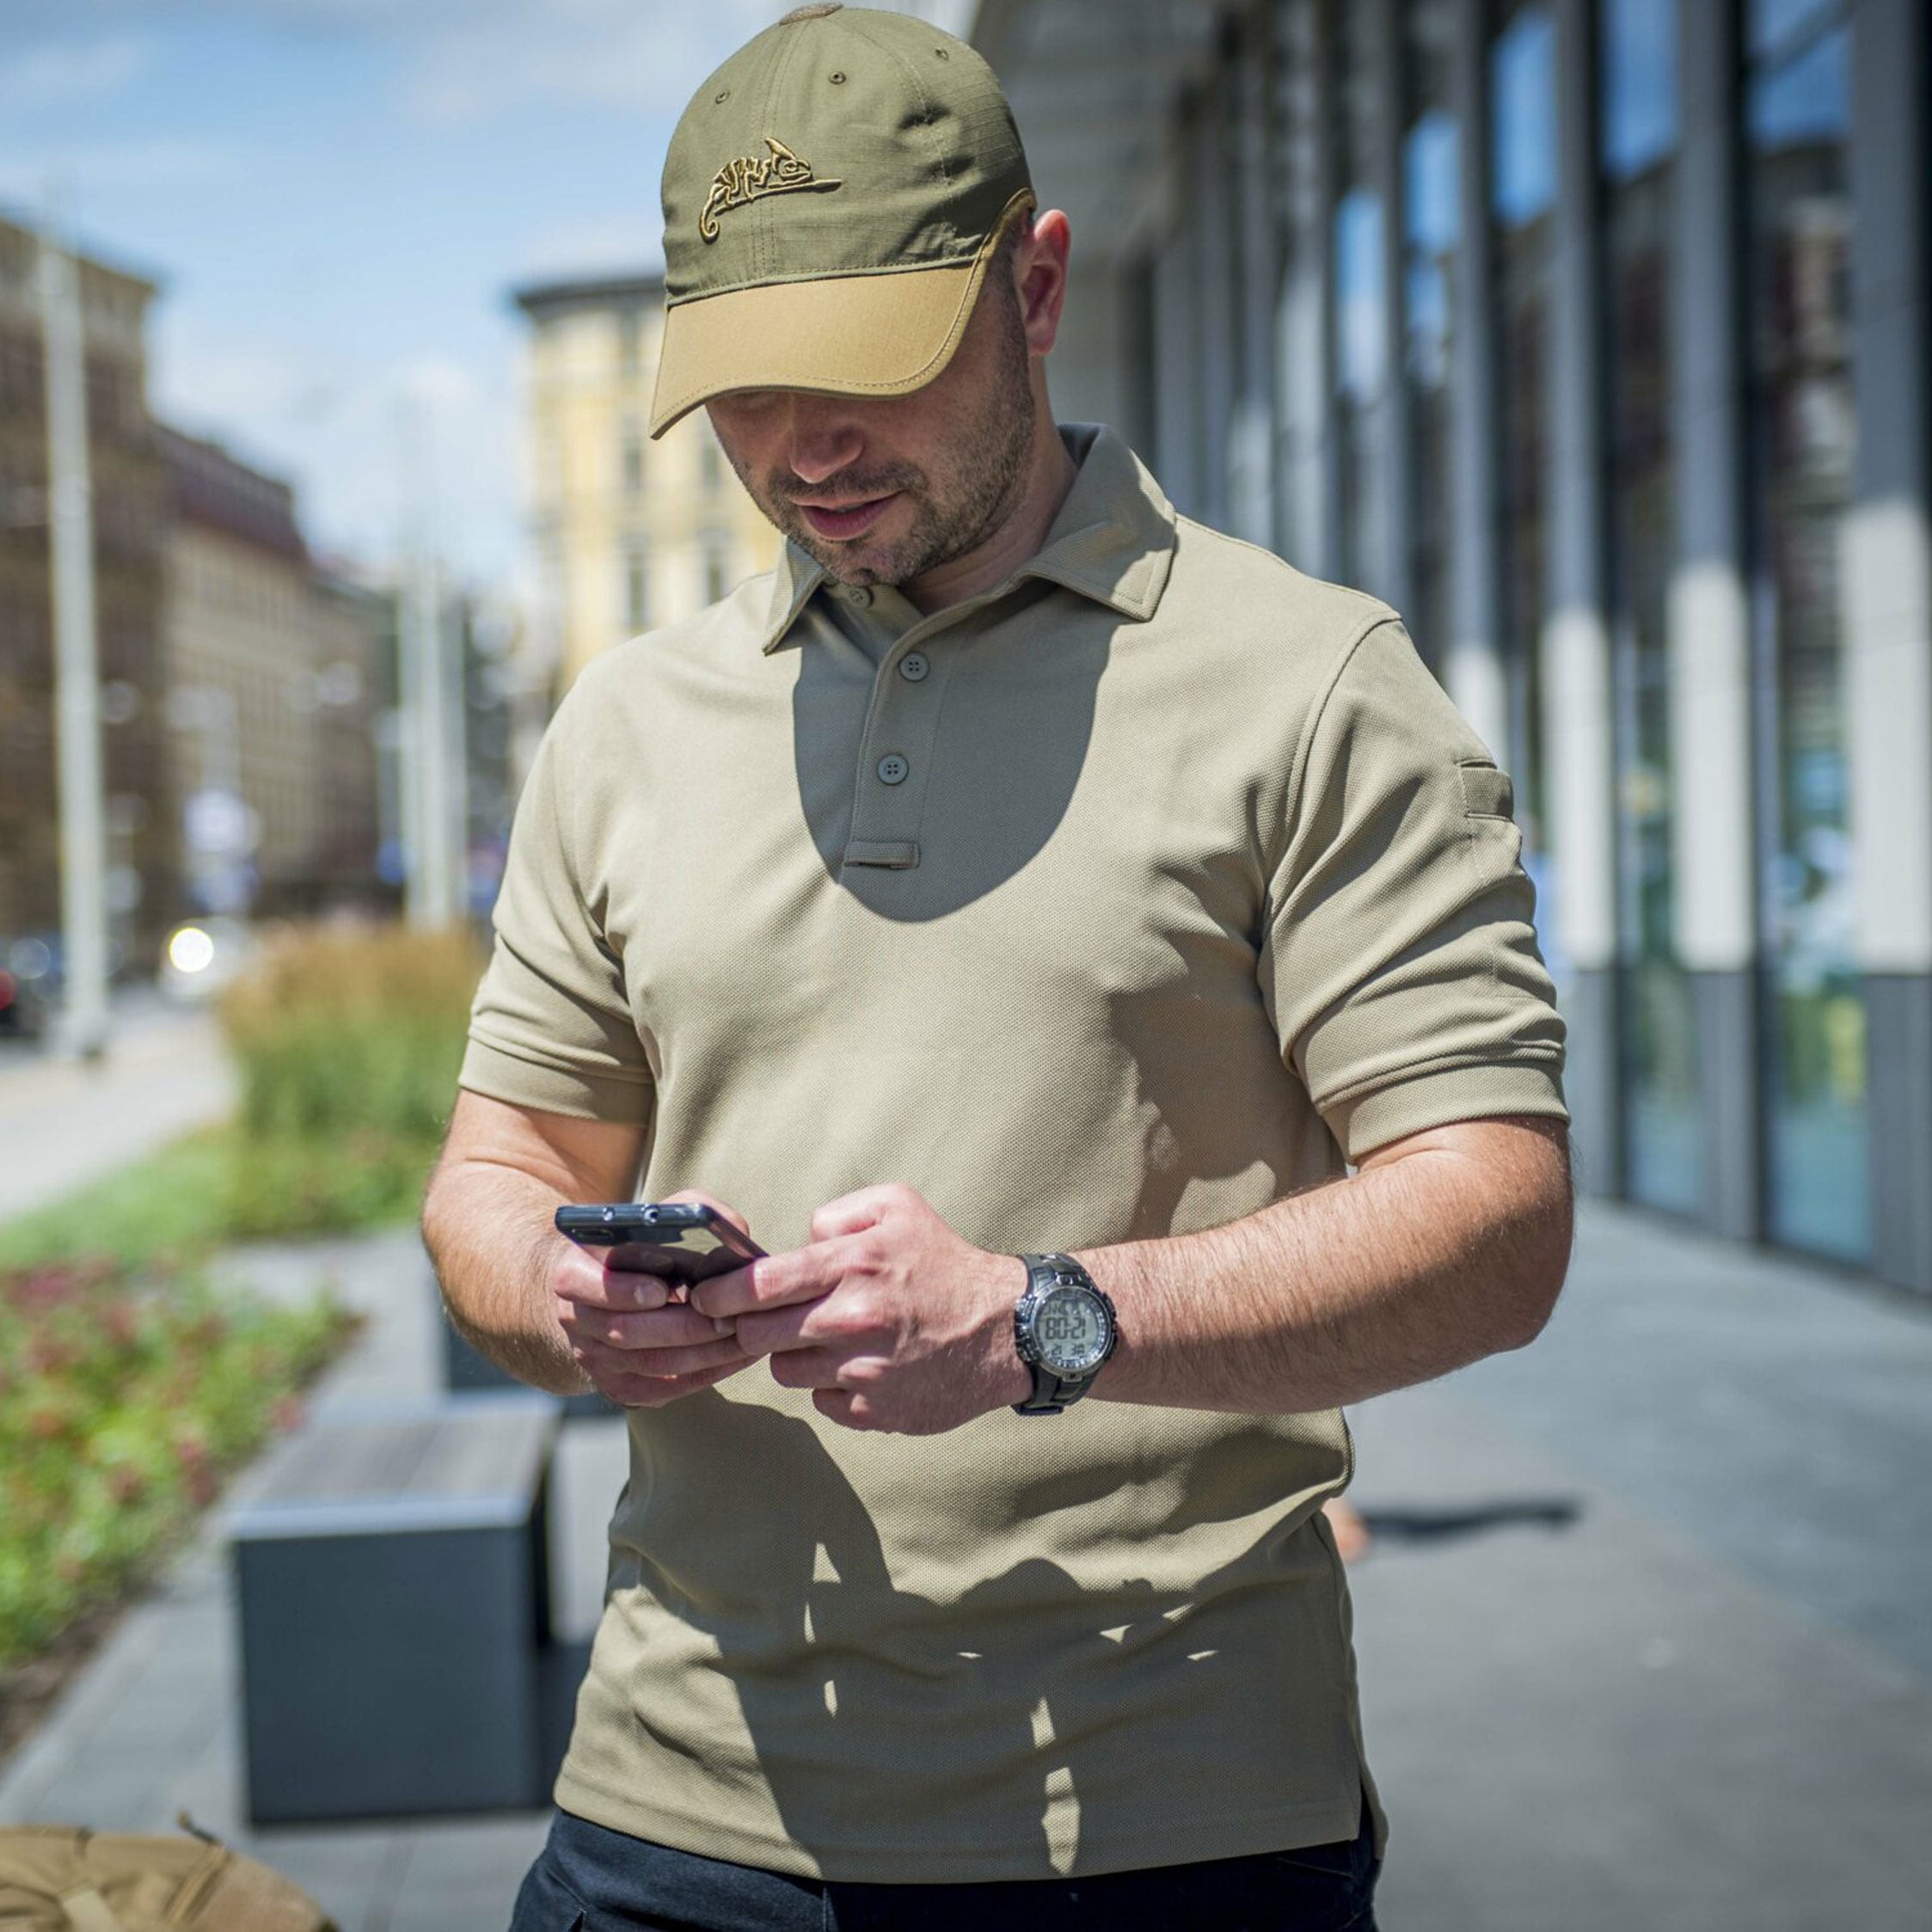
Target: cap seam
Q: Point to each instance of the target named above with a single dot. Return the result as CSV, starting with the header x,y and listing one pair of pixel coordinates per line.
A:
x,y
844,274
761,234
927,121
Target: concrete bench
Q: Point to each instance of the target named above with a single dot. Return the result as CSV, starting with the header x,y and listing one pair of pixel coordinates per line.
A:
x,y
394,1601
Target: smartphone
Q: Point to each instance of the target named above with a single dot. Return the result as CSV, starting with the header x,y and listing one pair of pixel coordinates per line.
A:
x,y
682,1241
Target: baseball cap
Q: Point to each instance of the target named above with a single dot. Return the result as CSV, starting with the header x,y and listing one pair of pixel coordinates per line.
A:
x,y
831,198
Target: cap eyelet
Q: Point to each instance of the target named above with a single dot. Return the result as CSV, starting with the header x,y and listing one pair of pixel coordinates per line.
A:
x,y
837,77
722,95
943,53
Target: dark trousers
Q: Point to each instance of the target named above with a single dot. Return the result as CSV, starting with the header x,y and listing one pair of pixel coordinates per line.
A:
x,y
590,1879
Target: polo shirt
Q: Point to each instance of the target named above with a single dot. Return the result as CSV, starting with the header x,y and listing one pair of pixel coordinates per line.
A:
x,y
1123,900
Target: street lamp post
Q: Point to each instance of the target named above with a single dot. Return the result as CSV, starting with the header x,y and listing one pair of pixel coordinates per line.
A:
x,y
83,844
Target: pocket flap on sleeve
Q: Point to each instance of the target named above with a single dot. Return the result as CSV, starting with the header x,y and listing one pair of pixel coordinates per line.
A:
x,y
1486,792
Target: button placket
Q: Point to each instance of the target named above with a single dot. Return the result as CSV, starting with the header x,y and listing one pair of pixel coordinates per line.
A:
x,y
901,742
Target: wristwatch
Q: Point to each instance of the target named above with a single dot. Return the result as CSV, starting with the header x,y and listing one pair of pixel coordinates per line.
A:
x,y
1064,1329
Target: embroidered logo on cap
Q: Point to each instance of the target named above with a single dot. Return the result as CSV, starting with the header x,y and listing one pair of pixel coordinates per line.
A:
x,y
745,180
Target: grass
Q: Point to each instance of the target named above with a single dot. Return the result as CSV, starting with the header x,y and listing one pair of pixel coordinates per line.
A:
x,y
347,1044
129,1388
126,1396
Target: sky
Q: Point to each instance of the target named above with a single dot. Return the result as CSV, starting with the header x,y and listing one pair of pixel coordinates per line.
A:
x,y
337,197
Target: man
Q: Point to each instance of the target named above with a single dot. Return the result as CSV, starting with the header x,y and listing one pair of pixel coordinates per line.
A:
x,y
1020,870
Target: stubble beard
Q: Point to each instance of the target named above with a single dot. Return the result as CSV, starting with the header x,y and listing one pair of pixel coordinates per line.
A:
x,y
986,462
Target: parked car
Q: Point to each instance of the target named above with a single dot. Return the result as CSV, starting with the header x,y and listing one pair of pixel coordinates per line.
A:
x,y
29,987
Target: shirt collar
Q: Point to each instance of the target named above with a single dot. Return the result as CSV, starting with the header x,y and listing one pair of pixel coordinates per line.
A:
x,y
1114,540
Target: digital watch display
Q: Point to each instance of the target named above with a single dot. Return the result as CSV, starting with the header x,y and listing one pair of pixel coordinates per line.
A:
x,y
1065,1329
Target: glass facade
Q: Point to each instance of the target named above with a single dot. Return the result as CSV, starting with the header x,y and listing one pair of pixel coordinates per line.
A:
x,y
1522,209
1638,129
1431,228
1804,442
1428,223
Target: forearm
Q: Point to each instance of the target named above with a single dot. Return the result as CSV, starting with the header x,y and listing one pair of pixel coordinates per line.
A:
x,y
491,1238
1399,1273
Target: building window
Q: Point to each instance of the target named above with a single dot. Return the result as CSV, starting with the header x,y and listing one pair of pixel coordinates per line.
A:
x,y
715,547
1361,303
1521,208
1431,232
636,588
1804,442
1638,129
711,467
631,456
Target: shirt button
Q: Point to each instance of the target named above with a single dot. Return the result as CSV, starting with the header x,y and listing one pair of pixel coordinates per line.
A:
x,y
893,769
859,596
912,667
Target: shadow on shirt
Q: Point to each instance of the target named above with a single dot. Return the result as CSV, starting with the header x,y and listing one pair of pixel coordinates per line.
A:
x,y
1016,1703
1013,749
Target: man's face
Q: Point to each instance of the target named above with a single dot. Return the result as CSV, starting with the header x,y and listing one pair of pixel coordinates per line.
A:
x,y
882,491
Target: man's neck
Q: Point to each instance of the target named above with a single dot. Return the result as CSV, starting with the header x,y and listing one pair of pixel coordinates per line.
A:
x,y
1049,476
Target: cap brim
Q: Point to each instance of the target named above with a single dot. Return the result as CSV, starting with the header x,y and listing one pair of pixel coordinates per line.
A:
x,y
864,335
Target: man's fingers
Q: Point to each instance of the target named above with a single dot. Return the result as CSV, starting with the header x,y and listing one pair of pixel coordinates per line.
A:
x,y
581,1278
605,1363
853,1213
695,1197
654,1392
775,1281
679,1326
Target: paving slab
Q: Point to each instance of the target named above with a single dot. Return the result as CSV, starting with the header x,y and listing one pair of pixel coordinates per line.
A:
x,y
1582,1720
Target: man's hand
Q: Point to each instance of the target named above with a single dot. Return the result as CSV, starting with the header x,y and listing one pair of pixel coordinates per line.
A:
x,y
641,1348
891,1320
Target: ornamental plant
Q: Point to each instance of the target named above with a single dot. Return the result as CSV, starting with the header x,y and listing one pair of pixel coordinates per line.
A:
x,y
125,1398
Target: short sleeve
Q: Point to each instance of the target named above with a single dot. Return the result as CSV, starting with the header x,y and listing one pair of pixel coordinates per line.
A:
x,y
1399,961
550,1028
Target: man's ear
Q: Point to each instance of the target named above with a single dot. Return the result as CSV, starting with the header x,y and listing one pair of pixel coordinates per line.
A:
x,y
1040,277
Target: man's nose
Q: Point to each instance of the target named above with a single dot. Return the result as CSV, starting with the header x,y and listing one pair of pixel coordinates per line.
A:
x,y
825,438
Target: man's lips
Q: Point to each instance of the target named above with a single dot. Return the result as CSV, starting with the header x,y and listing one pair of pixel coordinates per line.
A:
x,y
847,520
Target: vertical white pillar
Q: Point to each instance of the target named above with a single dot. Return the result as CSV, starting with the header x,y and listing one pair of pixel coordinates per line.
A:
x,y
1177,347
1304,370
83,839
1578,709
1472,664
1392,414
1250,453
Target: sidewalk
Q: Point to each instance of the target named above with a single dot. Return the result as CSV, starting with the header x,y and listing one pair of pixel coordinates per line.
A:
x,y
63,1123
1644,1640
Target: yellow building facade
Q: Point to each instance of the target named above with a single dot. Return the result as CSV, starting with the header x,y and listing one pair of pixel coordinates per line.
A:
x,y
629,534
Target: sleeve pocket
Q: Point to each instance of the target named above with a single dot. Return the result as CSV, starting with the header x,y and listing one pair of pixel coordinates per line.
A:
x,y
1486,792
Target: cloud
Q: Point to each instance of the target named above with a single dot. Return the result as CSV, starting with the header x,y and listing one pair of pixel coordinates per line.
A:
x,y
629,244
373,445
78,167
64,72
611,53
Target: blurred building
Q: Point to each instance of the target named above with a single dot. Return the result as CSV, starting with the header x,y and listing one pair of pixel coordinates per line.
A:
x,y
278,674
629,533
353,647
1593,334
242,697
129,507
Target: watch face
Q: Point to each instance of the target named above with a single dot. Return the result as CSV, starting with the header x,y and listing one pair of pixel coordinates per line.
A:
x,y
1071,1331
